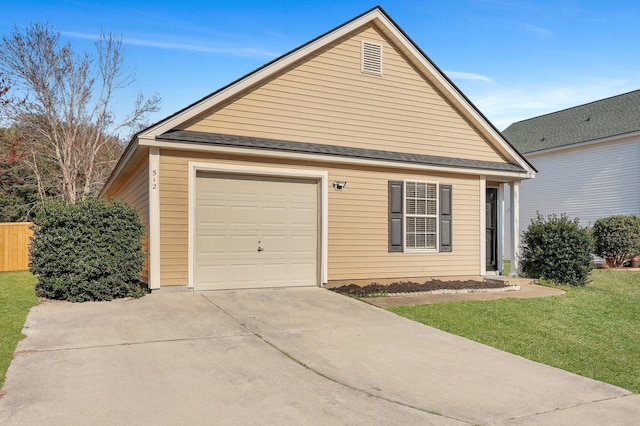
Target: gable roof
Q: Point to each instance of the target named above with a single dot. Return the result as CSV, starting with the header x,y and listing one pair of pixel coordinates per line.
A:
x,y
153,135
610,117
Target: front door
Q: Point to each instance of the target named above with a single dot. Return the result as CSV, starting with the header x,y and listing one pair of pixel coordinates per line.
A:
x,y
492,229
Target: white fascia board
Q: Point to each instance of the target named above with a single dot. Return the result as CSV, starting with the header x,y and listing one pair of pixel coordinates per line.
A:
x,y
260,75
610,139
181,146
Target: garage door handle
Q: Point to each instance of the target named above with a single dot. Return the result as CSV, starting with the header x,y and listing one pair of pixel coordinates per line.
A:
x,y
260,249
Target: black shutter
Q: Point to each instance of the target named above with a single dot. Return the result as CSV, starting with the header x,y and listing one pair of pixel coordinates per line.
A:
x,y
395,216
446,243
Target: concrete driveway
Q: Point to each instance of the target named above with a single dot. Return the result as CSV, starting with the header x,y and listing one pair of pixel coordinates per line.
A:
x,y
294,356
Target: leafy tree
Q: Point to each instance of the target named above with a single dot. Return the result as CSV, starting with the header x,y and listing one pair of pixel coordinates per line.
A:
x,y
18,194
18,190
65,105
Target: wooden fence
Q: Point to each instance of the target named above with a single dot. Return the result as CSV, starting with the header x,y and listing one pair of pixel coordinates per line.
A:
x,y
14,246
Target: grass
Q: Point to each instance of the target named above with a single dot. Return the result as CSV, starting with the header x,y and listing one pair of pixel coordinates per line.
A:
x,y
17,296
593,331
506,267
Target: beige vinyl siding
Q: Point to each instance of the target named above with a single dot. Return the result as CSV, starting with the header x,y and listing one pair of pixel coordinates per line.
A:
x,y
328,100
133,188
358,221
173,185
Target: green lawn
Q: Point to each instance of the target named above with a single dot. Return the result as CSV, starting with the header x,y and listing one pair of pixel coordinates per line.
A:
x,y
17,296
593,331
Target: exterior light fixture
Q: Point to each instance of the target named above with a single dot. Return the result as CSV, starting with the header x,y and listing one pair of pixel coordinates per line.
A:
x,y
339,185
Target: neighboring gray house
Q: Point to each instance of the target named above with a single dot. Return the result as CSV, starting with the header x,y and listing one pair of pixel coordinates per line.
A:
x,y
588,159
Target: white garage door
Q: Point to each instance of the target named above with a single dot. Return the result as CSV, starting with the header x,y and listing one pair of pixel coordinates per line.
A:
x,y
255,232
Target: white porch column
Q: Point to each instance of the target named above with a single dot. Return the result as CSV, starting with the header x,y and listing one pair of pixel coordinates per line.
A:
x,y
483,226
154,218
515,227
500,257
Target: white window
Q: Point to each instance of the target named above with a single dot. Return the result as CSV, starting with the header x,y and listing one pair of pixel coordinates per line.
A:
x,y
421,216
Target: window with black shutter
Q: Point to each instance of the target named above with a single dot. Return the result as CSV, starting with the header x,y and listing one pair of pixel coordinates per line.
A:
x,y
420,217
446,238
396,202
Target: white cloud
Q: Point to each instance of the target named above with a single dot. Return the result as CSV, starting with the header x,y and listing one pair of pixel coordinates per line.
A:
x,y
506,105
539,31
457,75
234,51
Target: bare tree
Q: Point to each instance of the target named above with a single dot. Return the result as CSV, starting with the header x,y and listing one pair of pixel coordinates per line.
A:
x,y
4,88
65,103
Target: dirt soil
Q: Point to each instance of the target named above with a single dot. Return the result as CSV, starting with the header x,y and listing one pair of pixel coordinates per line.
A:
x,y
375,289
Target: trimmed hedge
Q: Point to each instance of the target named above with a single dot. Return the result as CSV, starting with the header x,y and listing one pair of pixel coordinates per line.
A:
x,y
557,249
91,250
617,238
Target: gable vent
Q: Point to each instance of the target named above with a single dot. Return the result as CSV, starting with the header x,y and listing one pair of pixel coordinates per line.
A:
x,y
371,58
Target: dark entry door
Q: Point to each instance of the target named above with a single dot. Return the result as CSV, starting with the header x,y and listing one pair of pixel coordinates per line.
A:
x,y
492,229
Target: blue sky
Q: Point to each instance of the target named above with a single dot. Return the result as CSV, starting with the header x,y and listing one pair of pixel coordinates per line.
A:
x,y
513,59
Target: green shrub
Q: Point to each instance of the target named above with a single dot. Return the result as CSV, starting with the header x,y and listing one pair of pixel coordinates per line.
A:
x,y
557,249
617,238
91,250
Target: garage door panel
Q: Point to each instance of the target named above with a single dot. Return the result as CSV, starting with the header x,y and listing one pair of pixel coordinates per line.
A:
x,y
241,245
211,277
273,196
211,215
240,189
274,245
234,216
243,216
300,271
211,245
303,217
273,216
273,271
243,275
302,245
300,191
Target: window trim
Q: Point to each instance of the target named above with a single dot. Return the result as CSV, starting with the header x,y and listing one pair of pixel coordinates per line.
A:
x,y
405,215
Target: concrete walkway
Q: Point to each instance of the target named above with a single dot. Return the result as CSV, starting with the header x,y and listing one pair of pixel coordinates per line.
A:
x,y
297,356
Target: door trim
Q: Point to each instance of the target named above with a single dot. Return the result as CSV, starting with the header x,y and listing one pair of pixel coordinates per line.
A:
x,y
495,234
321,176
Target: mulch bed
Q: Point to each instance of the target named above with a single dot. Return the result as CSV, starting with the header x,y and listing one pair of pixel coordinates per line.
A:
x,y
375,289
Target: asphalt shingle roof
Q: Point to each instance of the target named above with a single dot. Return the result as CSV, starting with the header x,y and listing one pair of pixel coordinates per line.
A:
x,y
608,117
313,148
